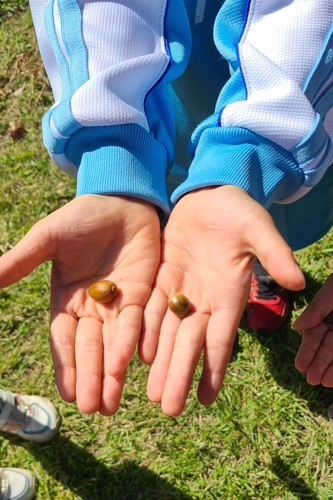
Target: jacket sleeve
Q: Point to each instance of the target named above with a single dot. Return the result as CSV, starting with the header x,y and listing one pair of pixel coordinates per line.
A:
x,y
109,64
272,129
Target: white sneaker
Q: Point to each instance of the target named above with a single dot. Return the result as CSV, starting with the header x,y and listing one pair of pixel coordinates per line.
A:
x,y
16,484
31,417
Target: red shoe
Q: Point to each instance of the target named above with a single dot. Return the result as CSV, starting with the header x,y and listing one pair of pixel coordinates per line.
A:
x,y
269,304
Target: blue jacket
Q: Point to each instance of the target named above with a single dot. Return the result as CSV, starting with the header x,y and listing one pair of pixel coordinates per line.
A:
x,y
154,99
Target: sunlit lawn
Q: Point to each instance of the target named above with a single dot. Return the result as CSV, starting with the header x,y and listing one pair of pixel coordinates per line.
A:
x,y
267,436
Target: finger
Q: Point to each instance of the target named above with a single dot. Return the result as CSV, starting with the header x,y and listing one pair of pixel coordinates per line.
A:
x,y
112,388
31,251
317,310
311,341
120,344
186,354
89,364
159,369
218,347
327,379
322,360
152,319
62,341
274,254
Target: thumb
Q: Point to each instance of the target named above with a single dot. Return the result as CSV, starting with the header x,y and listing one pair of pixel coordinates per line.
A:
x,y
31,251
275,255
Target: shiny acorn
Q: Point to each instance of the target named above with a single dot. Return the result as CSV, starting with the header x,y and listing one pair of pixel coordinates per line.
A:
x,y
103,291
179,304
329,320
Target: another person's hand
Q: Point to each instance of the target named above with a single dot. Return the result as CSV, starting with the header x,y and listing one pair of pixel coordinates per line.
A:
x,y
92,237
208,249
315,355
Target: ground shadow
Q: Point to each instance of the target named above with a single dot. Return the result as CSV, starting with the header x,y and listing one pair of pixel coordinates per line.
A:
x,y
281,348
89,478
284,472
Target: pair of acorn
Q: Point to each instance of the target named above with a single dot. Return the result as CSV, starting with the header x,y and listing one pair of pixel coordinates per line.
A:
x,y
104,291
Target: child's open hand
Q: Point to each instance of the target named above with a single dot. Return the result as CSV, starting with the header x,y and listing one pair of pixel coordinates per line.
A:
x,y
208,248
91,238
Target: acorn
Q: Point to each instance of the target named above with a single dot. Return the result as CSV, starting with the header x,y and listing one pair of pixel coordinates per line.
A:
x,y
179,304
329,320
103,291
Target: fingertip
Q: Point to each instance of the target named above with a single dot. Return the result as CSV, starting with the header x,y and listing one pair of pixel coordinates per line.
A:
x,y
172,407
155,385
206,399
107,412
146,350
172,410
154,393
280,263
300,365
294,279
297,324
109,408
87,405
112,388
299,275
313,378
65,379
88,392
66,392
209,386
145,358
88,402
68,397
206,396
327,379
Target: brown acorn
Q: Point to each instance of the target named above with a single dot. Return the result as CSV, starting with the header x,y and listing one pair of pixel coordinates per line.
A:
x,y
329,320
103,291
179,304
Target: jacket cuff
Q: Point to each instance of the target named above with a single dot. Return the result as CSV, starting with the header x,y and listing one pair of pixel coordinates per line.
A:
x,y
120,160
239,157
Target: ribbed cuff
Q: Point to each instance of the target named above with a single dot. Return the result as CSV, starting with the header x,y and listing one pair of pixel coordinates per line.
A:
x,y
122,160
239,157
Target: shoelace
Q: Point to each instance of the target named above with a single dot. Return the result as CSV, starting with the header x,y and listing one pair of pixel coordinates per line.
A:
x,y
20,416
266,287
3,485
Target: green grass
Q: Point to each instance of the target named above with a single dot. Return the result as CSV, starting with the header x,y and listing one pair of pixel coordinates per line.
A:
x,y
12,7
267,435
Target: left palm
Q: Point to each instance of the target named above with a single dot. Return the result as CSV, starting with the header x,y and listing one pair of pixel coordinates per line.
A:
x,y
207,253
